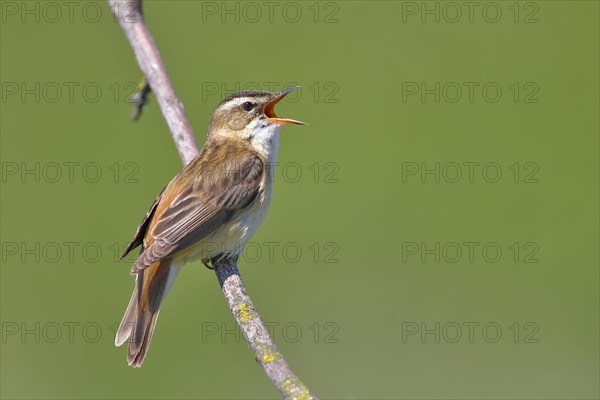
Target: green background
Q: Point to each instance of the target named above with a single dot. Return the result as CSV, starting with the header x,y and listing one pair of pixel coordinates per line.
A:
x,y
354,313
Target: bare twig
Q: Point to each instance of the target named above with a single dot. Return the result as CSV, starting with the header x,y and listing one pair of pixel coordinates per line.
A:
x,y
129,15
240,304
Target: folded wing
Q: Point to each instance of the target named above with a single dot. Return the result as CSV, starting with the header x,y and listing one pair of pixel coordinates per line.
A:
x,y
200,208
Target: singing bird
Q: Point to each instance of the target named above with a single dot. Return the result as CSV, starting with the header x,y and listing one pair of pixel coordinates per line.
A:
x,y
209,210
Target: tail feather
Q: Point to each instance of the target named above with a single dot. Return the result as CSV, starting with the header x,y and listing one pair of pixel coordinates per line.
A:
x,y
141,338
128,321
139,320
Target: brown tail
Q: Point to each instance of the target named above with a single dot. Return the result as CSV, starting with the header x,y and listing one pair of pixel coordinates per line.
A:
x,y
139,321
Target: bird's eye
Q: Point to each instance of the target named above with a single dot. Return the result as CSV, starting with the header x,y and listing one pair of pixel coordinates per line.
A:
x,y
247,106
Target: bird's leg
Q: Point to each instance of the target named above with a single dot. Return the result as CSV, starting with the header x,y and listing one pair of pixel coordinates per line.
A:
x,y
215,260
206,262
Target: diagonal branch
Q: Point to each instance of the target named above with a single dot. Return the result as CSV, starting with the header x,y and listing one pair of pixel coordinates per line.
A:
x,y
129,14
256,333
131,19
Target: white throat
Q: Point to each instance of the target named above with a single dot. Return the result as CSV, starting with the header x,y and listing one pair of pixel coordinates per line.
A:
x,y
265,140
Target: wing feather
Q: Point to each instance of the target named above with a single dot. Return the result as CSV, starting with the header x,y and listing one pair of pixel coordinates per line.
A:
x,y
138,238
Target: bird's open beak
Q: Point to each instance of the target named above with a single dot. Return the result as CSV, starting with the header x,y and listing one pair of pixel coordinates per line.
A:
x,y
270,109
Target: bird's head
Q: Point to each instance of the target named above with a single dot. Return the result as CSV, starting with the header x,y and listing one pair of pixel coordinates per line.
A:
x,y
250,116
